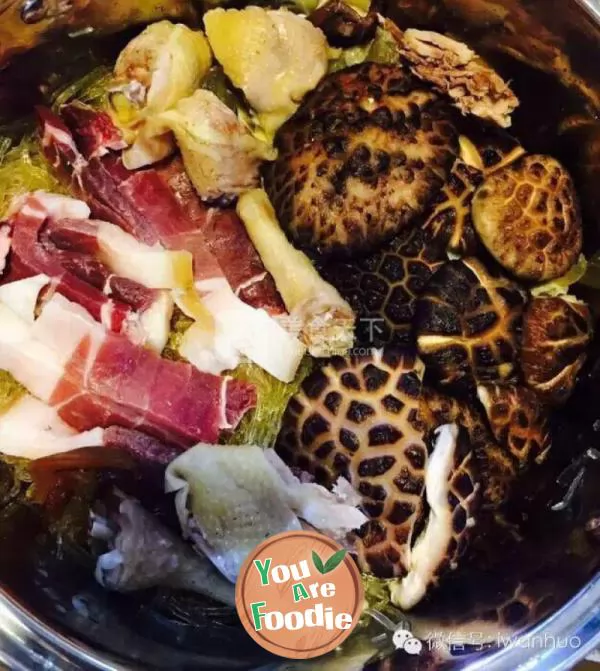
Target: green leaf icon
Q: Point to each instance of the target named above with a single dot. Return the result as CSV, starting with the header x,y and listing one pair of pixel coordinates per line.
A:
x,y
334,561
317,562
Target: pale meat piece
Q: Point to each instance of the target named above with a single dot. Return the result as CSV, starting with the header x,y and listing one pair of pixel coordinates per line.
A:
x,y
274,56
220,154
454,69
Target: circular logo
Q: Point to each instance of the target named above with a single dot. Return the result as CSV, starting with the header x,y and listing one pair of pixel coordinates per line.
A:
x,y
299,594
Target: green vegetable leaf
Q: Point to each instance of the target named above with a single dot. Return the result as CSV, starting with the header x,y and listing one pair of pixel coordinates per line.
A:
x,y
334,561
317,562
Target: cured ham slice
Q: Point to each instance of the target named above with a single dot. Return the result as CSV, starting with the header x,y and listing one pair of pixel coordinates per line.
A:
x,y
165,196
32,429
144,204
98,379
123,306
227,239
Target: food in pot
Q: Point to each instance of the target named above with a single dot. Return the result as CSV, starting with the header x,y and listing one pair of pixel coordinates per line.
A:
x,y
450,223
383,287
276,236
457,71
359,417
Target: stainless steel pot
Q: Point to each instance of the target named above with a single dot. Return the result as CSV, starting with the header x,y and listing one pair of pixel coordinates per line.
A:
x,y
551,51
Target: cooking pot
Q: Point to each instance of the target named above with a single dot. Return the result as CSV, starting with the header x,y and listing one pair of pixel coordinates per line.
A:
x,y
54,616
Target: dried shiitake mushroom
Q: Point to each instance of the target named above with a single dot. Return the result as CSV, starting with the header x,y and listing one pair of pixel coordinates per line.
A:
x,y
453,493
449,224
360,160
496,467
527,215
518,420
343,25
488,147
382,288
359,417
556,334
466,324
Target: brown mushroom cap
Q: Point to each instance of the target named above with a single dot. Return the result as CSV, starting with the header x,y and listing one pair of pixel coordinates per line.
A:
x,y
362,157
449,224
383,287
466,324
527,216
556,334
518,420
359,418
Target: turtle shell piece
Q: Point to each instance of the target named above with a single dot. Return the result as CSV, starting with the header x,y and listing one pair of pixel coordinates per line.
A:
x,y
466,324
453,495
556,335
383,288
527,215
518,420
450,225
359,417
496,466
362,157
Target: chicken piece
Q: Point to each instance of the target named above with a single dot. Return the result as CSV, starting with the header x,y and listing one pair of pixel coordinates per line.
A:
x,y
220,154
273,56
452,68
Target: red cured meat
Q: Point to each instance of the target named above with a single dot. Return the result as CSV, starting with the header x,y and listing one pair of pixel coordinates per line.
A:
x,y
96,133
227,239
63,250
30,257
160,204
122,384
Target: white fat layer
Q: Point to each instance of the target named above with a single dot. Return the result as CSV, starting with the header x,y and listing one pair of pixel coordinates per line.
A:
x,y
223,423
32,429
230,497
253,332
156,322
32,363
62,326
22,296
106,312
58,206
208,351
251,282
432,545
150,265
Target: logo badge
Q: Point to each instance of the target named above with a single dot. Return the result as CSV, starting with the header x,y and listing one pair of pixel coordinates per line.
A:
x,y
299,594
